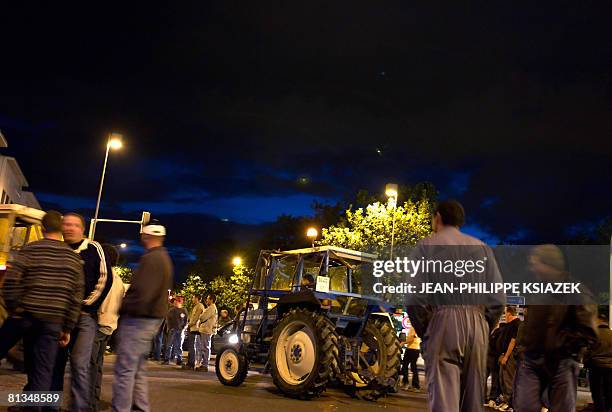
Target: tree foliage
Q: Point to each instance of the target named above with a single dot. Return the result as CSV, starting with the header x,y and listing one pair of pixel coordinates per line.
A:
x,y
124,272
370,228
230,291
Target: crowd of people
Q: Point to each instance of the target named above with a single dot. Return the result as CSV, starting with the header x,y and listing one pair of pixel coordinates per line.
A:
x,y
192,332
64,301
533,364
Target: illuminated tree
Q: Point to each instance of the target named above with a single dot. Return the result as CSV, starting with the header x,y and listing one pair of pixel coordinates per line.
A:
x,y
370,228
124,272
230,292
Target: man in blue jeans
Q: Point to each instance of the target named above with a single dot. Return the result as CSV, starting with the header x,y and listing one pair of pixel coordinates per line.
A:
x,y
142,311
552,337
98,281
176,320
43,290
193,339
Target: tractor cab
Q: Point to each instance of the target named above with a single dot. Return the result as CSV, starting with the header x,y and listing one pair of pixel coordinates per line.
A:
x,y
19,225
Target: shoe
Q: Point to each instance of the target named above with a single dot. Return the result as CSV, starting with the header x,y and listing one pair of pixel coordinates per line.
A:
x,y
185,366
406,387
165,362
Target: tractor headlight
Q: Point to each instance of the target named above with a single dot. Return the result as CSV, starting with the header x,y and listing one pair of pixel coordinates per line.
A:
x,y
233,339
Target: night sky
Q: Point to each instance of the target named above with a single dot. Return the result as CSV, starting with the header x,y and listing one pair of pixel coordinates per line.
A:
x,y
247,110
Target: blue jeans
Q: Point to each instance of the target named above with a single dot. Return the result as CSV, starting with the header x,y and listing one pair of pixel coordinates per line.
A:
x,y
193,342
79,348
173,347
130,389
40,347
158,343
95,369
535,375
205,345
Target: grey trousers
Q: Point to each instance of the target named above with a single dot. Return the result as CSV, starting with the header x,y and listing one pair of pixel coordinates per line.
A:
x,y
455,354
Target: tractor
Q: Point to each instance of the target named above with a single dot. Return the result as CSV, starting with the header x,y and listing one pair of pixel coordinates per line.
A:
x,y
308,321
19,225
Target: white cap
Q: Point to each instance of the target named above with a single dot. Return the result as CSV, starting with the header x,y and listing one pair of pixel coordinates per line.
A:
x,y
154,230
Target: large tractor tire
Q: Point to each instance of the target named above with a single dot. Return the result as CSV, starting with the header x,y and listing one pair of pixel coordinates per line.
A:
x,y
231,366
379,362
303,353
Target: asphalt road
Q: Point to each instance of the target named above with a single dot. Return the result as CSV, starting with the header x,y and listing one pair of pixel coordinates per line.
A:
x,y
173,389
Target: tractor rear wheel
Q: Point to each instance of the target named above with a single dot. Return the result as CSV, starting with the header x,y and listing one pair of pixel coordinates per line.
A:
x,y
379,363
303,353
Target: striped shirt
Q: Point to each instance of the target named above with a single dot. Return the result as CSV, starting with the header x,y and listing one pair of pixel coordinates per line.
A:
x,y
46,280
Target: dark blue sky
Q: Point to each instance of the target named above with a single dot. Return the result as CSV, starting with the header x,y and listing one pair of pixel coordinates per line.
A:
x,y
243,110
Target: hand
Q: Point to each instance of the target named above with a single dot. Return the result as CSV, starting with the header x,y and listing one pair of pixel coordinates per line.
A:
x,y
64,339
503,361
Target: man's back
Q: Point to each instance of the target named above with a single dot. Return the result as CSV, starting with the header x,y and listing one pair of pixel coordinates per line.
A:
x,y
148,292
46,280
453,326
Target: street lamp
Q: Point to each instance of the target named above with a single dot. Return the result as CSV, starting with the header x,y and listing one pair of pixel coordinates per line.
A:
x,y
312,234
391,190
114,142
237,261
123,245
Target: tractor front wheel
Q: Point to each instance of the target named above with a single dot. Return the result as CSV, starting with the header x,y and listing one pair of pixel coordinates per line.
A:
x,y
231,366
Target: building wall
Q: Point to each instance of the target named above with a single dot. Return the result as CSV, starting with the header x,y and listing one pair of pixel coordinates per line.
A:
x,y
13,182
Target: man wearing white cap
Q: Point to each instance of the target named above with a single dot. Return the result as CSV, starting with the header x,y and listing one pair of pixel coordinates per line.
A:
x,y
143,308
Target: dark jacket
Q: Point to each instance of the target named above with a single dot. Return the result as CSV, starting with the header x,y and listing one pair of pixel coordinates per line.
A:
x,y
176,318
147,295
559,331
600,356
45,280
98,274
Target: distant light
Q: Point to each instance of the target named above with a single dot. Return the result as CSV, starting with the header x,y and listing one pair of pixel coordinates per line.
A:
x,y
379,151
312,233
391,190
233,339
237,261
123,245
225,220
303,180
114,141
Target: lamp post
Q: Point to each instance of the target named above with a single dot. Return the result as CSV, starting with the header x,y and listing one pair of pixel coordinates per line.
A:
x,y
312,234
114,142
391,192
